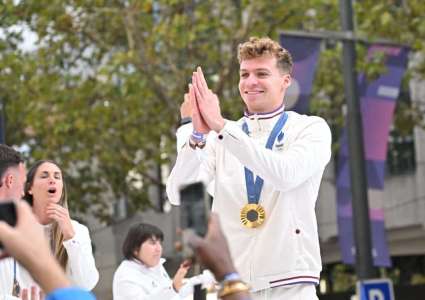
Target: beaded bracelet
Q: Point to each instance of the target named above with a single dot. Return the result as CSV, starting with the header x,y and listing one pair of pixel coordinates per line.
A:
x,y
197,136
197,139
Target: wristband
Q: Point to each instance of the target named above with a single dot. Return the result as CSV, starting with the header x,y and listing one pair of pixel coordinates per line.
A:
x,y
185,120
197,136
197,139
232,276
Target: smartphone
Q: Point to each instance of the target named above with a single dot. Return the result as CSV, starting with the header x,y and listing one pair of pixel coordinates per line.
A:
x,y
194,212
8,215
194,208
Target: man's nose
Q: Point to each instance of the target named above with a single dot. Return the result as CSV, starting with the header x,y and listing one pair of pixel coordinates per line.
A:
x,y
251,80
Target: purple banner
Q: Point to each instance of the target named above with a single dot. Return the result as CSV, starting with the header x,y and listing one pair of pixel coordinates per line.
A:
x,y
305,53
378,100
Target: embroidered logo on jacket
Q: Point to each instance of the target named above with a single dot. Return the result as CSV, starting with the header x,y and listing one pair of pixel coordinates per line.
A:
x,y
279,143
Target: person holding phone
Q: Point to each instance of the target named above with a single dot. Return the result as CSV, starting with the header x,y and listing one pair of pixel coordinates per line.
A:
x,y
12,180
70,241
213,252
141,275
27,244
266,167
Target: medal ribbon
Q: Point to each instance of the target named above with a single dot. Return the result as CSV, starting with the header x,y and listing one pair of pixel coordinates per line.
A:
x,y
253,188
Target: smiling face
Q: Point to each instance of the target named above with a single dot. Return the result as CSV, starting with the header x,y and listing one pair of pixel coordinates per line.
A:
x,y
262,84
46,187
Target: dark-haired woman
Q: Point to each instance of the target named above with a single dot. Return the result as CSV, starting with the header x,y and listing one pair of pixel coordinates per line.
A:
x,y
70,241
141,276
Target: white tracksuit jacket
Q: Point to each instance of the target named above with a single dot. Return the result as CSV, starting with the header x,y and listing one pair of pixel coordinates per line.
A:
x,y
134,280
81,268
284,250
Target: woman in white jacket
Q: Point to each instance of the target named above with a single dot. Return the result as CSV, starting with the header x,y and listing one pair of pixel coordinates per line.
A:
x,y
70,241
141,275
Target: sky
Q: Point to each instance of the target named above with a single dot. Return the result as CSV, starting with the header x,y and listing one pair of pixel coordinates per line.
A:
x,y
29,37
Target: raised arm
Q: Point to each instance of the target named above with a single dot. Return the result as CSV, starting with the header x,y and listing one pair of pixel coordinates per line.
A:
x,y
306,155
26,242
213,252
193,163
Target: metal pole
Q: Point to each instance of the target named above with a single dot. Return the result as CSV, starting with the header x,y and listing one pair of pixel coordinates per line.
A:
x,y
341,36
361,222
2,123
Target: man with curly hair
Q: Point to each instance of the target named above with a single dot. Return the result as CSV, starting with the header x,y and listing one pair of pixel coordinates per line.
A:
x,y
266,168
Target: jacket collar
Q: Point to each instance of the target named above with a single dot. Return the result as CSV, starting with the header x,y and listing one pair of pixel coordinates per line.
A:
x,y
260,123
140,264
265,115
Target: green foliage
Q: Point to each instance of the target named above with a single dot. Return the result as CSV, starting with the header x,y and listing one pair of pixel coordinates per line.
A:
x,y
343,277
101,91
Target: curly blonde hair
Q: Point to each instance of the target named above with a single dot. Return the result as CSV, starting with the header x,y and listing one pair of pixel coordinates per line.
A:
x,y
259,47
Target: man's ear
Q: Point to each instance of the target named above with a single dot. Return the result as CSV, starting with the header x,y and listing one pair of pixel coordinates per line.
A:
x,y
8,180
287,80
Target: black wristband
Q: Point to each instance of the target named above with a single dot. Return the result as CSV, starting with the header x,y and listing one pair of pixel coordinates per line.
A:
x,y
185,120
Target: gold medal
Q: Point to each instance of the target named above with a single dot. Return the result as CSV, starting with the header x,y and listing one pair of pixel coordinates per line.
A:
x,y
252,215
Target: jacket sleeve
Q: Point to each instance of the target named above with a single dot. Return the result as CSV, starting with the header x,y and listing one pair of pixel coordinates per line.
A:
x,y
191,166
307,154
206,279
182,135
81,264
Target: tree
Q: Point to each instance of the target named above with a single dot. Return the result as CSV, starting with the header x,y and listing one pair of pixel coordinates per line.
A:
x,y
100,92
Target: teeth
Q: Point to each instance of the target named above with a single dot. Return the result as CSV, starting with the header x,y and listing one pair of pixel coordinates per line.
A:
x,y
256,92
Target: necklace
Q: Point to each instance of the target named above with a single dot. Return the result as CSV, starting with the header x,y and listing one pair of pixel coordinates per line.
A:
x,y
16,288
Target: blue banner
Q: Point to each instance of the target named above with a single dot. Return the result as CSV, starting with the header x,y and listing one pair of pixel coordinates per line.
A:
x,y
305,54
